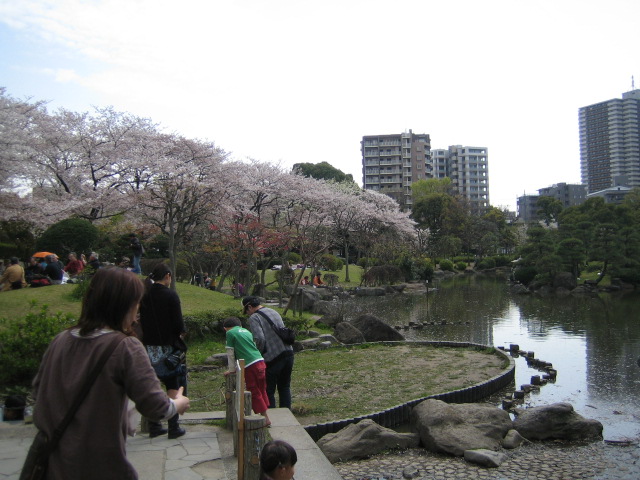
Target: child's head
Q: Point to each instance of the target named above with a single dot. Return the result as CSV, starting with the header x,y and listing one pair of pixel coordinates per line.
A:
x,y
278,459
230,322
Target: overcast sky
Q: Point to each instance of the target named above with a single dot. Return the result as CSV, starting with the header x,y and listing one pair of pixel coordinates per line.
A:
x,y
303,81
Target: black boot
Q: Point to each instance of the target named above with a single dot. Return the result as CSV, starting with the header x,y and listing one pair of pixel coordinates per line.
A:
x,y
155,429
174,427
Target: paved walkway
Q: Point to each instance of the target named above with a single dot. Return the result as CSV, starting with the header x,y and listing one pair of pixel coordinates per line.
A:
x,y
204,453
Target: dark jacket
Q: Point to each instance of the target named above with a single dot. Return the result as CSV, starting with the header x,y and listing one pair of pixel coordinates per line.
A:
x,y
161,316
53,271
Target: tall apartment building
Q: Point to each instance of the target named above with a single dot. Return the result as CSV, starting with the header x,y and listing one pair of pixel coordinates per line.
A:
x,y
468,169
391,163
610,143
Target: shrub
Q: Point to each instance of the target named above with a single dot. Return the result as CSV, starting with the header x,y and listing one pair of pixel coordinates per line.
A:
x,y
525,274
331,262
368,262
486,263
294,258
502,260
461,266
24,341
206,324
72,234
382,275
446,265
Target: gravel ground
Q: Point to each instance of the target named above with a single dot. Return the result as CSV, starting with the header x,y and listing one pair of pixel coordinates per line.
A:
x,y
534,461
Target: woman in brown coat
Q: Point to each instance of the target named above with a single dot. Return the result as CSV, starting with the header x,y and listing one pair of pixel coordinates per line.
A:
x,y
93,445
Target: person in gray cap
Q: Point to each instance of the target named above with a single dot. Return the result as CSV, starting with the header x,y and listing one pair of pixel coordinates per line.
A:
x,y
277,355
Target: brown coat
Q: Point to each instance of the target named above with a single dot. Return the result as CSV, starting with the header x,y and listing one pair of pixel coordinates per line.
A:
x,y
13,273
93,446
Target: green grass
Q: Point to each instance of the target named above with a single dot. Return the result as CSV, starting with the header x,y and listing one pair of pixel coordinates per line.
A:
x,y
347,382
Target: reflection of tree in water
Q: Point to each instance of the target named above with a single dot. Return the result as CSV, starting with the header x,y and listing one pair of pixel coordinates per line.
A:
x,y
462,308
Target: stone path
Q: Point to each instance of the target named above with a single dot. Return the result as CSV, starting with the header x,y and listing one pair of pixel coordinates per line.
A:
x,y
536,461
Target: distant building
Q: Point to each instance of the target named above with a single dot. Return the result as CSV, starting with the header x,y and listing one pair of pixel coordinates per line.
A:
x,y
568,194
468,169
391,163
610,143
613,194
528,208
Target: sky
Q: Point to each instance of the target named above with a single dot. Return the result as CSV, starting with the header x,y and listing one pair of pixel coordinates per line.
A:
x,y
292,81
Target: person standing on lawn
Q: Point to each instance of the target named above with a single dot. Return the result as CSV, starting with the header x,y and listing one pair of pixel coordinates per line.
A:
x,y
277,355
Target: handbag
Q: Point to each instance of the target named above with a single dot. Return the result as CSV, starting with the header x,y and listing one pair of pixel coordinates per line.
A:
x,y
287,335
35,465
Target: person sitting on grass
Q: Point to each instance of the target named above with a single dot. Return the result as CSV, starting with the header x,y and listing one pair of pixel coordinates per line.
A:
x,y
277,461
240,345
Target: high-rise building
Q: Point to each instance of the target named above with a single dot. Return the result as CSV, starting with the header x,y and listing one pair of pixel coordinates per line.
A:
x,y
468,169
391,163
610,143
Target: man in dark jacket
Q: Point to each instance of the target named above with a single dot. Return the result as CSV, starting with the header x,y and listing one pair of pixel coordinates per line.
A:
x,y
53,270
137,251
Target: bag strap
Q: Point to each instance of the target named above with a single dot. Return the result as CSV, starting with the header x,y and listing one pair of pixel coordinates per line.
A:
x,y
106,353
264,315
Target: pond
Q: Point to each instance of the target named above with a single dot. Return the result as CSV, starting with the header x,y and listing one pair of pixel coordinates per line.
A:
x,y
593,342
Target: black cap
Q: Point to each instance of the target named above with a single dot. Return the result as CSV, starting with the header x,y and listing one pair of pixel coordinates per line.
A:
x,y
250,301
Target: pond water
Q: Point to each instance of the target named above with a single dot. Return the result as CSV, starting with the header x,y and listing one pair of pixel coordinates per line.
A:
x,y
593,342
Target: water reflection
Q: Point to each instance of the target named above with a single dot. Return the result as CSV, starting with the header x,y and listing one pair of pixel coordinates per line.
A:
x,y
593,342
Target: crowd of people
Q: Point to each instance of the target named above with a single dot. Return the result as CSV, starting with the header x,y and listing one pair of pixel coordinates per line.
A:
x,y
142,324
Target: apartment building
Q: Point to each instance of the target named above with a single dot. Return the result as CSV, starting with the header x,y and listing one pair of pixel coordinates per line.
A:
x,y
468,169
610,143
391,163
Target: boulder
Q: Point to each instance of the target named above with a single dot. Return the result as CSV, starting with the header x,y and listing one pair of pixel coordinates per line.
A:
x,y
362,439
519,289
323,307
564,280
348,334
330,320
370,292
375,330
555,421
326,337
454,428
217,359
486,458
512,440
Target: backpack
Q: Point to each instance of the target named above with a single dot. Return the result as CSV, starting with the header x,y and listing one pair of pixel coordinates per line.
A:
x,y
287,335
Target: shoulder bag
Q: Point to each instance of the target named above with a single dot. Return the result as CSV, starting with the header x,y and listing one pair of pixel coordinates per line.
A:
x,y
35,465
287,335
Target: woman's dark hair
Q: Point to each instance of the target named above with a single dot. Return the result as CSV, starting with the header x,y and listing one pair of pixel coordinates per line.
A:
x,y
158,273
276,453
111,294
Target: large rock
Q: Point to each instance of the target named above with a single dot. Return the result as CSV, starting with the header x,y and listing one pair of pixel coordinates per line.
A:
x,y
454,428
484,457
363,439
348,334
323,307
375,330
555,421
370,292
564,280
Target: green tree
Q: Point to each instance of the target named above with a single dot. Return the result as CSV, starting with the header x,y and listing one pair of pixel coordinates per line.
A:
x,y
571,250
69,235
548,209
321,171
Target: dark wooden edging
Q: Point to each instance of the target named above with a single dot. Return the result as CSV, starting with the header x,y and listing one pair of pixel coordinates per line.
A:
x,y
400,414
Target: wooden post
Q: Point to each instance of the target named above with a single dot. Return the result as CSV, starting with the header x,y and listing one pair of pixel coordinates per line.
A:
x,y
239,411
247,412
254,440
230,386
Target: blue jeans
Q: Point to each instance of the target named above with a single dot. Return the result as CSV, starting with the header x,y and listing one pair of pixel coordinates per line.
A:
x,y
279,377
136,264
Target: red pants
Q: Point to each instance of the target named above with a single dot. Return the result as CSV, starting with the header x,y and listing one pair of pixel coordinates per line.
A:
x,y
256,380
